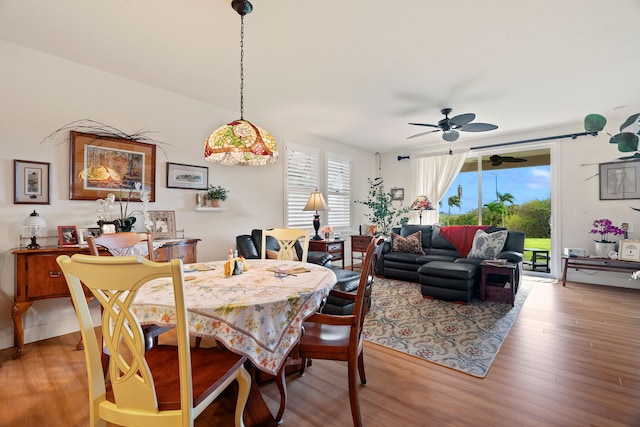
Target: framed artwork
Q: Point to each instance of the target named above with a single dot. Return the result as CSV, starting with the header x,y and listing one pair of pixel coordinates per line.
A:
x,y
397,194
187,176
620,180
83,233
108,227
31,182
163,224
629,250
104,164
67,235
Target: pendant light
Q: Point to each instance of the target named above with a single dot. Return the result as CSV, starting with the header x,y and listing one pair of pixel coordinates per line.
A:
x,y
240,142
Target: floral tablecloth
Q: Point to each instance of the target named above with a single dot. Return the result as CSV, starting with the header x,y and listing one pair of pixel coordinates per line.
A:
x,y
255,313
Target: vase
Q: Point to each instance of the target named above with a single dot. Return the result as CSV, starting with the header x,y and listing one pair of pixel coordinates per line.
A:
x,y
602,249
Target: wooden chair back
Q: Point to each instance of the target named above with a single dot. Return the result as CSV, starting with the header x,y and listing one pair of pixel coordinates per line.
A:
x,y
286,238
121,244
154,387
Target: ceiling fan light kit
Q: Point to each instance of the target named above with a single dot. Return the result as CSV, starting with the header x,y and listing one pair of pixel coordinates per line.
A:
x,y
450,126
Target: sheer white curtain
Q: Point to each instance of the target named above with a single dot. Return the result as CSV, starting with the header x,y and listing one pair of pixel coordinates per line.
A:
x,y
432,177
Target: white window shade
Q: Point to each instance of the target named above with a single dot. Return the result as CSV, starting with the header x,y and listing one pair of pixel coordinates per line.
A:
x,y
339,191
302,179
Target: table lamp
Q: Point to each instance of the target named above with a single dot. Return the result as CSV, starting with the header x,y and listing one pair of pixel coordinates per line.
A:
x,y
34,226
422,203
316,203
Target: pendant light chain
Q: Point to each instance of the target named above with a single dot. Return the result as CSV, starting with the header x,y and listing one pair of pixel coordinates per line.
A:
x,y
241,67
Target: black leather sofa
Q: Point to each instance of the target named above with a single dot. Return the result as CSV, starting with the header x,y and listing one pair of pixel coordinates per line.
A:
x,y
450,276
250,247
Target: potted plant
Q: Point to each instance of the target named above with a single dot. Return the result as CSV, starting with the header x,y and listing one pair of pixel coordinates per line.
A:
x,y
215,193
384,214
605,228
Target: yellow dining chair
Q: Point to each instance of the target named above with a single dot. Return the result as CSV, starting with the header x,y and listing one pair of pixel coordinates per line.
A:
x,y
165,386
123,244
286,238
334,337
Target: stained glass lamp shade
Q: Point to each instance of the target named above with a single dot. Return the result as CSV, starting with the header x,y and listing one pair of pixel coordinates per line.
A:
x,y
241,143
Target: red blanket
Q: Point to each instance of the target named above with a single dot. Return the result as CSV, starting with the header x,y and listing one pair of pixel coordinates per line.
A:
x,y
461,236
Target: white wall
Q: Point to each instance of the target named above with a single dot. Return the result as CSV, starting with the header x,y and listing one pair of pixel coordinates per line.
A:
x,y
41,93
575,198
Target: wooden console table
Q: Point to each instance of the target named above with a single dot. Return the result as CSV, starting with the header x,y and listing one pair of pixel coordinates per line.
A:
x,y
38,276
333,247
599,264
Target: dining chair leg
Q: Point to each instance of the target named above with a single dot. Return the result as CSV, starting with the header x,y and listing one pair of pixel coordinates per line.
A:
x,y
282,387
353,393
363,377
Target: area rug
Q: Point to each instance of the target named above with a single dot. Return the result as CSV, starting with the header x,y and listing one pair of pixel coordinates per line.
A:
x,y
462,337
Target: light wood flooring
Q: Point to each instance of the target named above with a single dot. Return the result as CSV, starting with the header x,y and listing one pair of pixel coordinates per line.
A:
x,y
571,359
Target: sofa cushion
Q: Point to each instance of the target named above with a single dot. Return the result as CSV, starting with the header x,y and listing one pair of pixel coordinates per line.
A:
x,y
487,245
461,236
410,244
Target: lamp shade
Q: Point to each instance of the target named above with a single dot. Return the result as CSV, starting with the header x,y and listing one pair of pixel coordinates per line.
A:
x,y
422,203
316,202
241,143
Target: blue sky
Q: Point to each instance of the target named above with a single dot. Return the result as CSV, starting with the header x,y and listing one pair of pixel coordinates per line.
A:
x,y
525,184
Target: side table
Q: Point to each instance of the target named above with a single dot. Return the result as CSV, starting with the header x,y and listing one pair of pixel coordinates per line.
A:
x,y
498,282
333,247
359,244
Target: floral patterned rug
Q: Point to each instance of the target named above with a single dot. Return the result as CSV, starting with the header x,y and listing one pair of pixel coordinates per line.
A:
x,y
462,337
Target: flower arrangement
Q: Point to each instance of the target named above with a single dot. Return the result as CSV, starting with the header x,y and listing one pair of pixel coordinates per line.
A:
x,y
327,229
605,228
125,219
635,275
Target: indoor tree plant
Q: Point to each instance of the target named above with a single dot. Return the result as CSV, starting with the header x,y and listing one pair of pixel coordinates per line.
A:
x,y
215,193
384,214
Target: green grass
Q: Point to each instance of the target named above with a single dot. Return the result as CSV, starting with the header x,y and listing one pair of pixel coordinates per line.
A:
x,y
530,242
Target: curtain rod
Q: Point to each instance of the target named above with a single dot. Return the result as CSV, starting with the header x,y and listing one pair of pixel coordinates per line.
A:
x,y
547,138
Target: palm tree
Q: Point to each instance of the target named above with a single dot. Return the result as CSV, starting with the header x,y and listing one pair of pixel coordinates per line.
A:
x,y
502,199
495,210
452,201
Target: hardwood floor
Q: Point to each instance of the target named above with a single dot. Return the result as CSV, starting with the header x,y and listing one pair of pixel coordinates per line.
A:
x,y
571,359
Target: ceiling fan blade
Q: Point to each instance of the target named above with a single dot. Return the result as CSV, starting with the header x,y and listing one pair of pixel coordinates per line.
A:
x,y
423,133
513,159
424,124
478,127
461,119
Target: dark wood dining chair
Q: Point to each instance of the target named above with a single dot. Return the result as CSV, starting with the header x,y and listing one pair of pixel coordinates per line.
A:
x,y
124,244
165,385
334,337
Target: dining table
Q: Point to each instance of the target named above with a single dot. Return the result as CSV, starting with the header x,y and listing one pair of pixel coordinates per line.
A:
x,y
257,313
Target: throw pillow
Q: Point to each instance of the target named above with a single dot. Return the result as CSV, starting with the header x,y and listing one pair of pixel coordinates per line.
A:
x,y
411,244
274,255
487,245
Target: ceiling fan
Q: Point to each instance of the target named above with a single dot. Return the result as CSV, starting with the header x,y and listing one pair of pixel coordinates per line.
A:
x,y
497,160
451,126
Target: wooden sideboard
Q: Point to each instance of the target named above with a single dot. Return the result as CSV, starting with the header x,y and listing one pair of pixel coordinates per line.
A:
x,y
38,276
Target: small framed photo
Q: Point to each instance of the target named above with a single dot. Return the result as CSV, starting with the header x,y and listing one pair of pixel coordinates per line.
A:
x,y
31,182
67,235
187,176
629,250
163,224
83,233
397,194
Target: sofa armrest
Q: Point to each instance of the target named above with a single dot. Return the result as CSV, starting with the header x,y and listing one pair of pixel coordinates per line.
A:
x,y
511,256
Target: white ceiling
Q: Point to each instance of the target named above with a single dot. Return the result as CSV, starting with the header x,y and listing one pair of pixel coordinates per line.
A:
x,y
358,71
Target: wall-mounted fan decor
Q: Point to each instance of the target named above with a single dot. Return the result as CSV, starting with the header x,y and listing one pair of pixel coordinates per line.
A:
x,y
451,126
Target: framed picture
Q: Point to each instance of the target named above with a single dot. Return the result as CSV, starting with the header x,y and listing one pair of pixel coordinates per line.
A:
x,y
103,164
620,180
187,176
31,182
629,250
83,233
163,224
67,235
397,194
